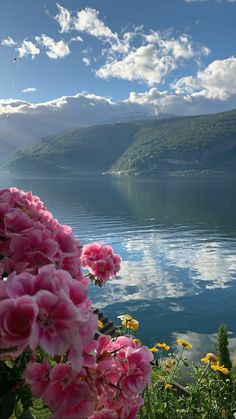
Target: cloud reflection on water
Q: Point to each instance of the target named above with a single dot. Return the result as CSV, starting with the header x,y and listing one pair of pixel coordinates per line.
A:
x,y
161,265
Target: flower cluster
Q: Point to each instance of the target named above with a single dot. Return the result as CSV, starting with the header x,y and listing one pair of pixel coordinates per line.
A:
x,y
112,390
123,371
129,322
30,237
101,262
47,324
66,392
162,346
50,310
211,359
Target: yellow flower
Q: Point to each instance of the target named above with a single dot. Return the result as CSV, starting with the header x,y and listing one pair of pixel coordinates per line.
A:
x,y
169,364
128,321
131,324
125,317
137,341
154,349
220,368
163,346
184,343
100,324
168,386
209,359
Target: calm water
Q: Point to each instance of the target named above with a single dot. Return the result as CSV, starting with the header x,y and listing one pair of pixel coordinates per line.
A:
x,y
177,239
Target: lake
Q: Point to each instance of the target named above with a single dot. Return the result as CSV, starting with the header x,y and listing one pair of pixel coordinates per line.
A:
x,y
177,239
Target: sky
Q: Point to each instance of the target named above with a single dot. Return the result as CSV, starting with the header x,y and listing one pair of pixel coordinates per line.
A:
x,y
80,61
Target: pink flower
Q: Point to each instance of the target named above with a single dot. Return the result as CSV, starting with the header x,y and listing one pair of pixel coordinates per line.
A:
x,y
65,240
137,370
54,280
19,285
126,408
123,370
104,414
3,292
101,261
37,376
17,222
65,321
90,354
86,328
32,238
35,247
17,317
55,323
70,394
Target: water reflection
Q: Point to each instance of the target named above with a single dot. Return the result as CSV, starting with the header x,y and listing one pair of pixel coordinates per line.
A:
x,y
177,238
201,345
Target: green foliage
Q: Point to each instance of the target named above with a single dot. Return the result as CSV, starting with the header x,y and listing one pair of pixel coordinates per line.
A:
x,y
183,144
222,347
195,143
207,396
92,149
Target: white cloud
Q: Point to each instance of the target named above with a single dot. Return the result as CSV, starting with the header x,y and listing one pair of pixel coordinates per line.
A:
x,y
87,20
8,42
143,64
63,18
77,39
154,98
28,48
179,103
180,47
54,49
217,81
86,61
8,106
152,62
29,90
148,57
183,47
135,54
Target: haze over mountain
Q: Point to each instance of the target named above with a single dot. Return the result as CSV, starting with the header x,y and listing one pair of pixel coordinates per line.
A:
x,y
21,122
195,143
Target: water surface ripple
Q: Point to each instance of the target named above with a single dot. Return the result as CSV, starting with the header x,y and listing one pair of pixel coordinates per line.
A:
x,y
177,239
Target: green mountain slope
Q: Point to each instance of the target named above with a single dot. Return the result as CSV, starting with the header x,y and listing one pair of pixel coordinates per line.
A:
x,y
206,142
92,149
188,143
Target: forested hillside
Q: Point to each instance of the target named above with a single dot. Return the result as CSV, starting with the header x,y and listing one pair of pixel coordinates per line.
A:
x,y
205,142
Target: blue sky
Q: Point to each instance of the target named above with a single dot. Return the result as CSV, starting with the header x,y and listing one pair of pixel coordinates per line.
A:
x,y
172,56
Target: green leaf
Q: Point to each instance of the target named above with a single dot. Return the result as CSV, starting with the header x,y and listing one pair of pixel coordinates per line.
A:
x,y
7,350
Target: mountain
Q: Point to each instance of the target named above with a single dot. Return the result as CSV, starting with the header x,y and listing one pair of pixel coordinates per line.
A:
x,y
196,143
139,116
22,122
